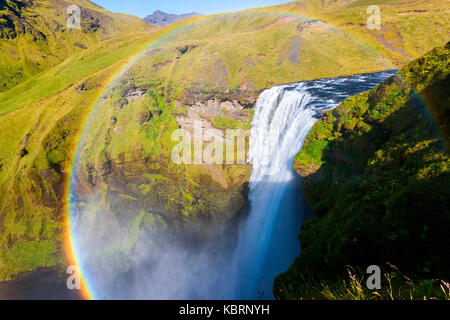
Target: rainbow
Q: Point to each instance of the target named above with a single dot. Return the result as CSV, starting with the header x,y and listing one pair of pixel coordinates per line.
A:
x,y
72,249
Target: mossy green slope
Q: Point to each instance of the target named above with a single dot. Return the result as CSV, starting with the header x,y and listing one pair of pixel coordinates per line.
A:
x,y
127,159
377,172
34,35
38,116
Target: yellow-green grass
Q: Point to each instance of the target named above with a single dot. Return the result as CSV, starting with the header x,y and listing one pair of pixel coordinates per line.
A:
x,y
47,41
247,47
52,110
78,66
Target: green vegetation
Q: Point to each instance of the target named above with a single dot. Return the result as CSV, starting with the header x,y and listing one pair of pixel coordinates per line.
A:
x,y
40,119
30,255
34,35
377,172
224,123
134,161
394,286
52,77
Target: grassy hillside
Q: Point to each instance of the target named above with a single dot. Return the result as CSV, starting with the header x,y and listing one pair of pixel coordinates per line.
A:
x,y
297,41
34,35
53,76
52,102
31,190
377,171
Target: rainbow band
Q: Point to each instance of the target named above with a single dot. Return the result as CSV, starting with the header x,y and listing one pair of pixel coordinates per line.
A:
x,y
72,250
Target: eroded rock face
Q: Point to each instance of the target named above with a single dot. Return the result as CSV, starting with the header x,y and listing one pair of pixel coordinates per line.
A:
x,y
194,200
245,97
211,109
12,22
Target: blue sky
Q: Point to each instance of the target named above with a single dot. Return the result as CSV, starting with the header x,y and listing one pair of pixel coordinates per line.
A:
x,y
142,8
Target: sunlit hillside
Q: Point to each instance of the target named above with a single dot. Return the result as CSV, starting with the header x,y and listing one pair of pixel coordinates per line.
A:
x,y
34,35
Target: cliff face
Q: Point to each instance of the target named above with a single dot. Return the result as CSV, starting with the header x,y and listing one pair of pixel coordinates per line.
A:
x,y
127,163
376,171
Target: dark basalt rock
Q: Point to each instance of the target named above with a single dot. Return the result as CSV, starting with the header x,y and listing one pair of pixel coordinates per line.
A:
x,y
145,117
107,168
23,152
186,48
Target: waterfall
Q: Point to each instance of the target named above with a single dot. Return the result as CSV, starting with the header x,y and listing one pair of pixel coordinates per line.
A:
x,y
268,240
282,121
117,265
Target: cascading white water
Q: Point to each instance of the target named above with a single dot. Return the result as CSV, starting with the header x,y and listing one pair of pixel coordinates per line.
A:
x,y
268,240
282,121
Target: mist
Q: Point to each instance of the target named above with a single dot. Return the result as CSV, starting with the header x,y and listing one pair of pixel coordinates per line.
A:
x,y
122,262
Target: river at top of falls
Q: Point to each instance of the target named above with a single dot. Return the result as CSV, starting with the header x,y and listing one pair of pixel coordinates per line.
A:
x,y
284,115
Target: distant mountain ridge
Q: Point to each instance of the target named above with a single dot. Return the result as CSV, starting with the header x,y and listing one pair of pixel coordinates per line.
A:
x,y
163,19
